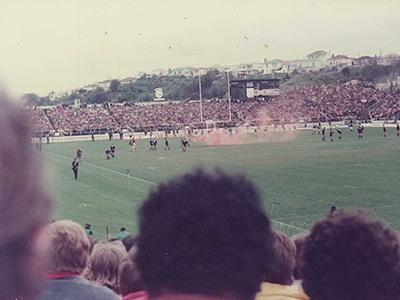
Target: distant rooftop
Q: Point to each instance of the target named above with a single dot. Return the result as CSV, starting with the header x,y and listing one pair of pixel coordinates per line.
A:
x,y
336,57
318,53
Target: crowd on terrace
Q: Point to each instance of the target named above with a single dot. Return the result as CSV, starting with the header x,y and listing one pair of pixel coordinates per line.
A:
x,y
309,103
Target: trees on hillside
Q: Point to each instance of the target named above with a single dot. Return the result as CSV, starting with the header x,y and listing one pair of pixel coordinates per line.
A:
x,y
114,85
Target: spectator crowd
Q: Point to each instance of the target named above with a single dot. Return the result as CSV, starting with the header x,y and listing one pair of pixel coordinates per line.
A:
x,y
310,103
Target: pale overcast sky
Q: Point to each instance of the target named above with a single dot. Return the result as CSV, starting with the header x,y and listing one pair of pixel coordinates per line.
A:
x,y
49,45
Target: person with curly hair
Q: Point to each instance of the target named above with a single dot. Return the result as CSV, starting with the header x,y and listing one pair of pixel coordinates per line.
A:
x,y
204,235
351,256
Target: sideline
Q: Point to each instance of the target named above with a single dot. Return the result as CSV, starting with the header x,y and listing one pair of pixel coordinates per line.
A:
x,y
290,226
105,169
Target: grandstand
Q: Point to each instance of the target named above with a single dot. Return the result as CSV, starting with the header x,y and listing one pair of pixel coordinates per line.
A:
x,y
310,103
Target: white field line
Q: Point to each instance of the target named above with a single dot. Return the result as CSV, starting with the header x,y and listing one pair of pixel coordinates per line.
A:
x,y
302,216
288,225
105,169
385,206
322,214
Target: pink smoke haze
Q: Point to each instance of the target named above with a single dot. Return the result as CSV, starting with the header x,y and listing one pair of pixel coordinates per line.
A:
x,y
220,137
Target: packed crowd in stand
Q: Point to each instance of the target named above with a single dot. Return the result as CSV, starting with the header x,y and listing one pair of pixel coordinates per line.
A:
x,y
86,117
216,242
309,103
40,122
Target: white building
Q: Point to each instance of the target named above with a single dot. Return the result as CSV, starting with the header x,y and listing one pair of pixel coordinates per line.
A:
x,y
389,59
57,95
309,65
159,72
199,71
319,55
127,80
340,61
105,84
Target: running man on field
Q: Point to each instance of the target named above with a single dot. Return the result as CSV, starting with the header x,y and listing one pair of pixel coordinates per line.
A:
x,y
132,143
79,154
166,145
112,150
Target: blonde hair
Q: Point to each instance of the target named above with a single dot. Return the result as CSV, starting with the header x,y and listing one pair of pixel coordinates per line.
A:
x,y
69,246
102,267
129,280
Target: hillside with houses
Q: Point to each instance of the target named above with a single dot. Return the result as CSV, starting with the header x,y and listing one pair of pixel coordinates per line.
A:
x,y
318,67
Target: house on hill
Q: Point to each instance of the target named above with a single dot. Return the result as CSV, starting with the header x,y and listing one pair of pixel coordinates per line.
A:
x,y
340,61
198,71
181,72
365,61
390,59
275,66
127,80
320,55
105,84
159,72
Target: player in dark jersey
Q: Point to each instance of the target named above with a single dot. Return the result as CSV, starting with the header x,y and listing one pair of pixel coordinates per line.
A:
x,y
75,165
384,130
79,154
155,145
314,128
331,134
108,154
398,129
151,145
112,150
362,131
359,132
183,144
340,133
323,134
333,211
166,145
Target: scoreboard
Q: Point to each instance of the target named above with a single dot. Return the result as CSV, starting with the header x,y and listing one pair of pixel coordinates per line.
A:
x,y
247,89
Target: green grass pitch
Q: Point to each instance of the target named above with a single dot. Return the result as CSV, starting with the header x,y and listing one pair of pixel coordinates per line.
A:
x,y
306,176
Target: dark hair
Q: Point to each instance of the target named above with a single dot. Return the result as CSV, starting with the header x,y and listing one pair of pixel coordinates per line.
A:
x,y
129,241
87,226
284,263
351,257
129,280
299,241
123,229
206,234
